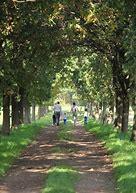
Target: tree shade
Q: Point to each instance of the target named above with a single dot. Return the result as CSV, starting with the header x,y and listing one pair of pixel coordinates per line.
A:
x,y
91,43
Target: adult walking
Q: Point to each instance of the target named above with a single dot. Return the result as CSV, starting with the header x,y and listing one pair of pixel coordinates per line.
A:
x,y
74,110
57,112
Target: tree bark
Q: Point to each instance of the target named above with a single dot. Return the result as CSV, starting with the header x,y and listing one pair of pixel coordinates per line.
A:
x,y
6,114
27,119
121,84
103,113
41,111
15,111
119,112
111,109
122,112
33,112
21,105
90,108
125,113
133,135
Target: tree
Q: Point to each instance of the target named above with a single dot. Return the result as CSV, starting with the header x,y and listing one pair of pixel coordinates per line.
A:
x,y
101,27
24,54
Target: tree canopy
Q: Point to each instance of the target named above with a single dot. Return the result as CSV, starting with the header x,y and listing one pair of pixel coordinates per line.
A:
x,y
87,44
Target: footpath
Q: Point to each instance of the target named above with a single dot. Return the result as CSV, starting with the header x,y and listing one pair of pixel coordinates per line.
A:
x,y
87,155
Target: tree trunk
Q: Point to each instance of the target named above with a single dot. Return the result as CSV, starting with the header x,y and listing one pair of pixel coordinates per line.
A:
x,y
26,111
111,109
90,108
119,112
125,114
40,112
33,112
15,111
103,113
121,84
133,135
45,110
21,105
97,111
6,115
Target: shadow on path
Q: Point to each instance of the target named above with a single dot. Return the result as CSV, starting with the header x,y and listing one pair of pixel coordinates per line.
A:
x,y
85,153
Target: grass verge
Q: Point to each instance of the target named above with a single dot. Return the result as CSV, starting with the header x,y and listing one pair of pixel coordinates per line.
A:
x,y
60,179
123,154
12,145
65,132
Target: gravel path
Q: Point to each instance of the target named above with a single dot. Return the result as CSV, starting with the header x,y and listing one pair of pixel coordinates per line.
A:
x,y
87,155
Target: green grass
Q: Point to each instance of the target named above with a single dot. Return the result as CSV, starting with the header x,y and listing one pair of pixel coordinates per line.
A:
x,y
60,179
12,145
123,153
65,131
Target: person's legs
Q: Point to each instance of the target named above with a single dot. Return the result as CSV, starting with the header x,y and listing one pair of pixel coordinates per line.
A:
x,y
57,117
85,120
65,120
75,120
54,119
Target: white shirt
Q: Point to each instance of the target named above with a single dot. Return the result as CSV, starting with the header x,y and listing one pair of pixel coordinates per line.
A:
x,y
85,114
57,108
74,108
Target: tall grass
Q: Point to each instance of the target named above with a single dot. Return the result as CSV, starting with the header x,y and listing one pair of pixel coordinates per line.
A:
x,y
123,153
12,145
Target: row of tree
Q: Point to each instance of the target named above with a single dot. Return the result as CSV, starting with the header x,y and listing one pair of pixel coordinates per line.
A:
x,y
103,68
91,43
28,36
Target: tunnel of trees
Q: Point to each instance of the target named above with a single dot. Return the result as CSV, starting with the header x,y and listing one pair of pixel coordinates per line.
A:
x,y
89,44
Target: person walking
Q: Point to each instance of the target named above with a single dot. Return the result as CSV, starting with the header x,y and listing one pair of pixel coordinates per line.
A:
x,y
74,111
57,112
85,116
65,118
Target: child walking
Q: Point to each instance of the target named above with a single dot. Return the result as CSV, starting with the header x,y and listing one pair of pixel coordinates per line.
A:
x,y
65,118
85,116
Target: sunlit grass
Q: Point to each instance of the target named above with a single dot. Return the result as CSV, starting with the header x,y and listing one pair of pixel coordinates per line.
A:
x,y
60,179
123,153
12,145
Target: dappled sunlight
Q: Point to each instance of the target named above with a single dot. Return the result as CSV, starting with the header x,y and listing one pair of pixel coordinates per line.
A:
x,y
4,189
77,158
57,157
11,146
84,153
101,170
46,145
38,170
21,181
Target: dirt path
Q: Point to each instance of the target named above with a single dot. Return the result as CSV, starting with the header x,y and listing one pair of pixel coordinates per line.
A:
x,y
86,154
